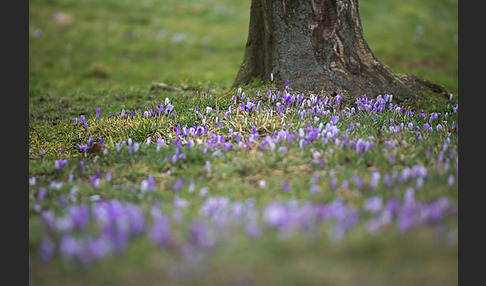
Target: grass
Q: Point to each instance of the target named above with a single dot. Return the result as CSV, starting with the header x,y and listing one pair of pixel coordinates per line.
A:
x,y
107,56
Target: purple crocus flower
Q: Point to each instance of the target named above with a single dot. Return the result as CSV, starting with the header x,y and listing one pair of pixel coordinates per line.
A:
x,y
59,164
41,194
358,181
275,214
332,183
199,235
69,247
252,229
151,183
160,231
285,187
98,112
375,179
314,188
373,204
178,184
42,152
75,121
208,167
46,249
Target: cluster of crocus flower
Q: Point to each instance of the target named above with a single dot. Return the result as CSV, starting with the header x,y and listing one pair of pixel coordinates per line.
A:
x,y
87,232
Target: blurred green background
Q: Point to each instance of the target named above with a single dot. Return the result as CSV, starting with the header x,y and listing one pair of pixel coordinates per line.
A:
x,y
89,46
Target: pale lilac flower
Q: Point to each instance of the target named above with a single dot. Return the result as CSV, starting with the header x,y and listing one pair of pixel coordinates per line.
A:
x,y
262,183
208,167
282,149
271,77
203,191
375,178
191,186
450,180
160,143
95,198
144,186
55,185
275,214
42,152
314,188
180,202
32,181
409,197
149,140
72,194
373,204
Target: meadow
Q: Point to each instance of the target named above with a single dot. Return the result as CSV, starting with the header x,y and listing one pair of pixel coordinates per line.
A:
x,y
207,185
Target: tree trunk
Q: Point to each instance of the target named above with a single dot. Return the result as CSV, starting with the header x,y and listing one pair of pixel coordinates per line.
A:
x,y
318,45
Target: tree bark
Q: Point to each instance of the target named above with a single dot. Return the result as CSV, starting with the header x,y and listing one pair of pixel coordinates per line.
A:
x,y
319,45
